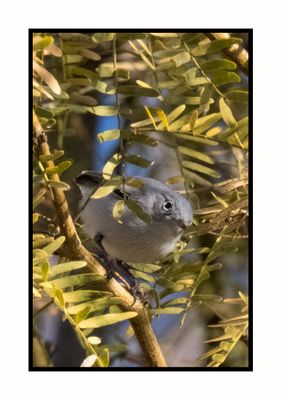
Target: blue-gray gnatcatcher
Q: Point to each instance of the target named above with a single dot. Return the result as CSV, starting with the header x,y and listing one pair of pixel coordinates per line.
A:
x,y
134,240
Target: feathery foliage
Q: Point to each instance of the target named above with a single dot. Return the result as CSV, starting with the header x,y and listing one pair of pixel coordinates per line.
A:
x,y
179,89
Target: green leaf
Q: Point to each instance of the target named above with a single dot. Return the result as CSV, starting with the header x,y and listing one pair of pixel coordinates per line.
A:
x,y
58,185
131,90
94,340
67,267
196,139
58,169
118,210
76,280
38,197
203,276
130,36
164,122
134,182
214,46
41,43
91,55
51,157
214,131
140,138
242,127
45,267
181,58
144,276
82,314
107,188
173,180
218,64
138,160
222,77
227,114
103,37
104,357
193,119
106,319
164,35
146,267
239,96
94,305
198,81
205,298
111,165
195,154
54,246
48,78
202,124
58,295
35,217
166,310
111,134
220,200
103,111
78,296
89,361
200,168
138,211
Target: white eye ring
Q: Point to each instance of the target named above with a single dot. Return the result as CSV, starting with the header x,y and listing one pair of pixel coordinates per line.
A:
x,y
168,205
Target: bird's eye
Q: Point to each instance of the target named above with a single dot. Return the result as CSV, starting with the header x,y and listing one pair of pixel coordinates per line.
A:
x,y
167,206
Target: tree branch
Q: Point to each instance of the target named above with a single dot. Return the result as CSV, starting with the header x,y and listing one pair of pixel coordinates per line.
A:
x,y
237,53
141,323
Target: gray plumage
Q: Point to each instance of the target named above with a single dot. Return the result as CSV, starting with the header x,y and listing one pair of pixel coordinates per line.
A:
x,y
135,240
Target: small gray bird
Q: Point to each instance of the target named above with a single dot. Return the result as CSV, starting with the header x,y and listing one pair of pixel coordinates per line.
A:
x,y
134,240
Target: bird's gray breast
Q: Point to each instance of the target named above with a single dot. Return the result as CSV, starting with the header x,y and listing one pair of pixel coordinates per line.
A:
x,y
133,240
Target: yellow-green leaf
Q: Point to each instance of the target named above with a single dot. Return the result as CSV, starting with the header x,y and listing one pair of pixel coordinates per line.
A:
x,y
76,280
94,305
111,165
220,200
227,114
196,154
48,78
103,37
58,185
103,111
163,118
150,117
104,357
111,134
94,340
106,319
138,211
214,46
138,160
54,246
118,210
107,188
89,361
67,267
200,168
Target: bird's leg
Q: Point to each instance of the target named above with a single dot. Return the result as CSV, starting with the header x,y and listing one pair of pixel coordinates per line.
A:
x,y
136,290
117,266
106,261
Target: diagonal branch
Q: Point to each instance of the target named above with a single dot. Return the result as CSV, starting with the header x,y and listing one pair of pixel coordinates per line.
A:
x,y
141,323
